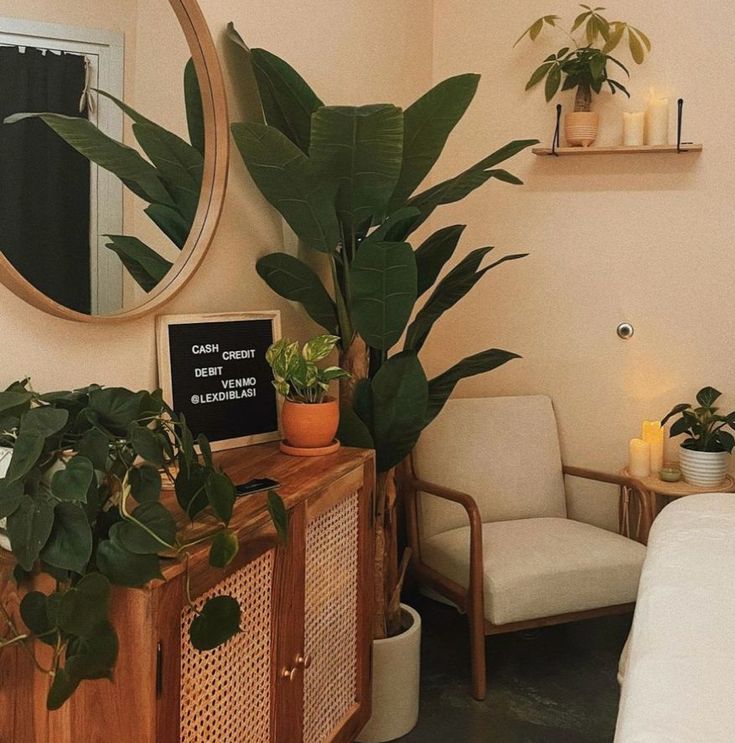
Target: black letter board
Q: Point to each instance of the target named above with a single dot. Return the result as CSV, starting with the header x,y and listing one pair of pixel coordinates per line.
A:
x,y
212,368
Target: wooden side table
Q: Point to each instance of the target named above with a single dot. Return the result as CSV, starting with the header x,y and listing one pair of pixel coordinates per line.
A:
x,y
653,494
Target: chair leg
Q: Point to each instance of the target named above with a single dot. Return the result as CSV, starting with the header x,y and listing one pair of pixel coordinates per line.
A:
x,y
477,652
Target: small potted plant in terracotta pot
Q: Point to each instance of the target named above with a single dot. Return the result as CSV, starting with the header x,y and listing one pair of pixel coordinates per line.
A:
x,y
309,417
582,65
705,453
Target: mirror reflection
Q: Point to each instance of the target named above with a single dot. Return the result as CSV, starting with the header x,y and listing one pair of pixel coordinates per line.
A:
x,y
101,149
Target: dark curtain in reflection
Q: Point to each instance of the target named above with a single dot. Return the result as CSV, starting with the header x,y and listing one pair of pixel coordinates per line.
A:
x,y
44,183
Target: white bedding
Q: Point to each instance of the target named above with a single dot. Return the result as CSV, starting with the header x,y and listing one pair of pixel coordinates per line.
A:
x,y
679,678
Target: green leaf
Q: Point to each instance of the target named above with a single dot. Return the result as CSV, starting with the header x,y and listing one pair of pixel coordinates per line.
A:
x,y
636,48
553,80
144,264
27,450
44,421
278,513
292,279
614,38
147,445
221,495
194,108
427,125
707,396
14,402
119,159
579,20
441,387
359,149
93,656
383,278
11,494
29,528
286,177
124,568
319,348
535,29
116,406
190,489
433,254
69,545
450,290
84,606
145,483
224,549
680,408
170,222
180,165
400,396
288,101
140,540
352,431
72,482
34,612
62,688
539,74
95,446
680,426
216,623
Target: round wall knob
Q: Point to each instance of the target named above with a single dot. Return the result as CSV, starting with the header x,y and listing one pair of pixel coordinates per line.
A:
x,y
303,661
625,331
288,673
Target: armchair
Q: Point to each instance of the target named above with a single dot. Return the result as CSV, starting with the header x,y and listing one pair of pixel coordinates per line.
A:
x,y
488,524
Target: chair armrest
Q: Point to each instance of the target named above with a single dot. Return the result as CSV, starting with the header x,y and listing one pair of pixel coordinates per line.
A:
x,y
598,476
456,496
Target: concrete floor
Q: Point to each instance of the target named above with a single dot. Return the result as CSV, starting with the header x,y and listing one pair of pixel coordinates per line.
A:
x,y
554,685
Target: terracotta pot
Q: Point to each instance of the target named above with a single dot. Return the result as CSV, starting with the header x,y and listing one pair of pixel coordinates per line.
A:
x,y
580,128
310,425
703,469
396,674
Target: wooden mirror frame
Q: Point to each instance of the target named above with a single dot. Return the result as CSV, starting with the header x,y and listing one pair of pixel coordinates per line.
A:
x,y
214,181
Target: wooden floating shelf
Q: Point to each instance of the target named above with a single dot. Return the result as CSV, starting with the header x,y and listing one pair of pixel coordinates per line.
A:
x,y
642,150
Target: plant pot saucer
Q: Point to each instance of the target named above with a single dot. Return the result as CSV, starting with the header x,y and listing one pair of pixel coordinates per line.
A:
x,y
309,451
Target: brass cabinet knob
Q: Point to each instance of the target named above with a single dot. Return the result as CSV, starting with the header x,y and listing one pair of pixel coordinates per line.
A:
x,y
289,673
303,660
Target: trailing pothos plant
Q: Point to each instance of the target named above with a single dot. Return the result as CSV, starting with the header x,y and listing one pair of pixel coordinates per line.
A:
x,y
702,423
584,65
346,179
82,501
168,178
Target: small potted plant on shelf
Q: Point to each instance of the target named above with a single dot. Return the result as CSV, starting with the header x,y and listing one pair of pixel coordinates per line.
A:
x,y
704,454
81,496
310,417
582,64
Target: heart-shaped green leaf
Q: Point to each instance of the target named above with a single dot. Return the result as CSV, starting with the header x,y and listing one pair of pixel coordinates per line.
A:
x,y
44,421
224,549
69,545
145,483
83,607
72,482
221,495
155,531
95,446
29,527
11,493
147,445
124,568
217,622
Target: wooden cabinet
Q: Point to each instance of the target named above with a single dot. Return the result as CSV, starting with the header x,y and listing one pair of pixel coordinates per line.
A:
x,y
299,670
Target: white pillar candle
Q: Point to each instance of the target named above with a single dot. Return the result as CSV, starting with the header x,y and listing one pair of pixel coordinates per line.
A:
x,y
653,433
633,126
657,121
639,458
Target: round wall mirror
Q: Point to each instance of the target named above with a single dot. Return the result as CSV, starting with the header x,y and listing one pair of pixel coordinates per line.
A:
x,y
113,153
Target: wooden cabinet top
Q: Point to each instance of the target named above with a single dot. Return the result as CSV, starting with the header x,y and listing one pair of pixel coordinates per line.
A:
x,y
299,478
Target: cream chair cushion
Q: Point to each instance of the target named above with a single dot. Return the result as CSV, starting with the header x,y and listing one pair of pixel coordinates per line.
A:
x,y
541,567
503,451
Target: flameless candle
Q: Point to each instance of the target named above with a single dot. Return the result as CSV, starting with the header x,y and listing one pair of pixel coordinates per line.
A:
x,y
653,434
639,459
657,121
633,127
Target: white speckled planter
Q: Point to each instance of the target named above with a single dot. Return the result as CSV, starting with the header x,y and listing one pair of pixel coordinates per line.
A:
x,y
396,669
703,469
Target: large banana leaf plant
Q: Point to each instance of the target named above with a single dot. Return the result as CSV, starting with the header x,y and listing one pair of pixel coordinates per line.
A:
x,y
168,178
345,179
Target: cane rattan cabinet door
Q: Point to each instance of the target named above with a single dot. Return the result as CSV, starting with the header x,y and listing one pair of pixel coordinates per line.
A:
x,y
336,614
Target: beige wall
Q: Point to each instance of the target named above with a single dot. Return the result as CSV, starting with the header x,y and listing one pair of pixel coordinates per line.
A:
x,y
364,50
642,239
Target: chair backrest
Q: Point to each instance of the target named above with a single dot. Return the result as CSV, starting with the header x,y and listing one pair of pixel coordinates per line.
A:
x,y
503,451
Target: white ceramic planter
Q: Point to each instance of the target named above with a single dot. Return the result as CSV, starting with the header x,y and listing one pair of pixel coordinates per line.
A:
x,y
396,670
580,128
703,469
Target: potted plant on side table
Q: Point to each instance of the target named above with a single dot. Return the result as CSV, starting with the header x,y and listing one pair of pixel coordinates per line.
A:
x,y
704,454
309,416
584,66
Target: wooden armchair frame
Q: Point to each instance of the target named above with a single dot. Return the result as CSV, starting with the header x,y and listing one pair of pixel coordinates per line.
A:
x,y
471,600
